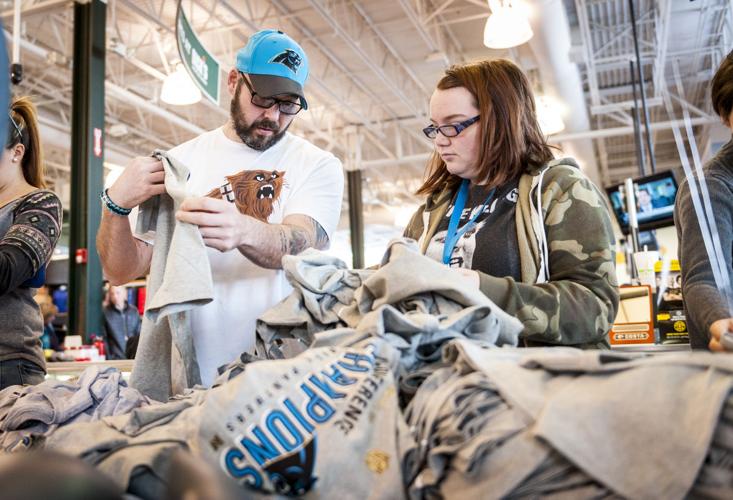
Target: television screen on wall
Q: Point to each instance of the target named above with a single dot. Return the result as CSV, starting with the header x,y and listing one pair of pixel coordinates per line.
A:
x,y
655,196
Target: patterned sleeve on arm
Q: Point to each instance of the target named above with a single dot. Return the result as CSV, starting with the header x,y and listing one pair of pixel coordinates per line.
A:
x,y
36,227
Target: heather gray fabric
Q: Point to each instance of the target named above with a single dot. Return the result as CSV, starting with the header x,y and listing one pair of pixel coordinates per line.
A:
x,y
681,402
123,456
406,274
339,403
322,285
681,394
715,480
29,412
325,424
179,280
412,296
469,439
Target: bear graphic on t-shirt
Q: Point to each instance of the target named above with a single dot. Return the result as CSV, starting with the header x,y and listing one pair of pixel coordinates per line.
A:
x,y
254,192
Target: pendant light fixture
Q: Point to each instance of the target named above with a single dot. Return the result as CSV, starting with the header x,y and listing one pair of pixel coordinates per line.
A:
x,y
179,89
507,26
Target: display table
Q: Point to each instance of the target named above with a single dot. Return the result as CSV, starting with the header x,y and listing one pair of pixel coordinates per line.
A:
x,y
656,348
65,370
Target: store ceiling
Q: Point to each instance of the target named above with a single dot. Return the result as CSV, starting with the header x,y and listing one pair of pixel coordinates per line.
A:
x,y
373,66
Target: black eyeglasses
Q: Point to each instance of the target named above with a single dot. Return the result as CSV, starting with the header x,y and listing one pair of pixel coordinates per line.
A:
x,y
286,107
449,130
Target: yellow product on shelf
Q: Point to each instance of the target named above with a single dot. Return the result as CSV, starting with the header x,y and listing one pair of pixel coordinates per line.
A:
x,y
671,321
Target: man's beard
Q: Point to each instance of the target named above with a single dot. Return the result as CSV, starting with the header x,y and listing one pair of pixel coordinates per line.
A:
x,y
247,132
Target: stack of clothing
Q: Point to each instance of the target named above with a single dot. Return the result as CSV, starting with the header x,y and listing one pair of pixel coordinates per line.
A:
x,y
135,449
581,424
30,413
412,301
405,382
290,427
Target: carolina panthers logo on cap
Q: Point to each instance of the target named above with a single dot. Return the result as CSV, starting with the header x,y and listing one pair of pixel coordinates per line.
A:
x,y
289,58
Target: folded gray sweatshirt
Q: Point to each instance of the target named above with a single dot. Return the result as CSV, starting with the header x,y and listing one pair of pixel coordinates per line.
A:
x,y
179,281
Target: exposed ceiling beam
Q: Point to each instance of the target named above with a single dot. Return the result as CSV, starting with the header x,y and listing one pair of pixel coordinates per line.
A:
x,y
618,131
36,8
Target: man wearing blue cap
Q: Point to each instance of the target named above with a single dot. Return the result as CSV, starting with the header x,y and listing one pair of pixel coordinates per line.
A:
x,y
262,191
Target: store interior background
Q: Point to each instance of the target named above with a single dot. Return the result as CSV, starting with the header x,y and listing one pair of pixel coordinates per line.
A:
x,y
373,66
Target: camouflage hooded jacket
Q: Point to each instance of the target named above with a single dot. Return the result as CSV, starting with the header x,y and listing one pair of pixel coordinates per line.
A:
x,y
568,294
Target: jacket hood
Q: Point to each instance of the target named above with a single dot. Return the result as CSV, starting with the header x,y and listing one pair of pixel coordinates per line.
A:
x,y
438,198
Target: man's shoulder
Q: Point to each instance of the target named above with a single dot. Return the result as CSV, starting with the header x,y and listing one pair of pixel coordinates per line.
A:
x,y
305,147
206,137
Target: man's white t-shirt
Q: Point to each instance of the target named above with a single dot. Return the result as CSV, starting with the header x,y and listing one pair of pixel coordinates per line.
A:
x,y
292,177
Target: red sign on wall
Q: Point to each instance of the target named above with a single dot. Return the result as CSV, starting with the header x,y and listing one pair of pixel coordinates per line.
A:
x,y
98,142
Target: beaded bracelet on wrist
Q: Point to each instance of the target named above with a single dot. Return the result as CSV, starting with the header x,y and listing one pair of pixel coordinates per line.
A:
x,y
112,206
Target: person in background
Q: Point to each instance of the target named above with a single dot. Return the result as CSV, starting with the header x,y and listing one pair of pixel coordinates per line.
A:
x,y
49,339
121,322
707,313
261,193
42,296
30,225
61,298
553,265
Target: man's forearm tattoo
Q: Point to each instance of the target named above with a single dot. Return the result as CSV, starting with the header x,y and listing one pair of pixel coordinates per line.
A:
x,y
298,241
321,236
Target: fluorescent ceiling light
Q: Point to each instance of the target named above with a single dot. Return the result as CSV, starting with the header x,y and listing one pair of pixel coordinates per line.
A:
x,y
179,89
549,115
507,26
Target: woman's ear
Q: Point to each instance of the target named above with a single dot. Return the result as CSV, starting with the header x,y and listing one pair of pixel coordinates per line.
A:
x,y
17,153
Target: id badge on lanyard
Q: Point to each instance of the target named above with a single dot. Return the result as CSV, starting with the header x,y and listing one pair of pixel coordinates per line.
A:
x,y
454,233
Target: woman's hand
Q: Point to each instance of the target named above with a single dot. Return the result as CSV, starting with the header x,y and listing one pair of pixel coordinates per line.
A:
x,y
717,330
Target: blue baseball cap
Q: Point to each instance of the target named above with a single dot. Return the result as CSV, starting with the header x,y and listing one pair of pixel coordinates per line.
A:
x,y
275,63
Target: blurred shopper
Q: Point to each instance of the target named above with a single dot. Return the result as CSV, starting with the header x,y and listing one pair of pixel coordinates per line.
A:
x,y
531,232
706,309
60,298
262,193
121,322
49,339
30,225
42,297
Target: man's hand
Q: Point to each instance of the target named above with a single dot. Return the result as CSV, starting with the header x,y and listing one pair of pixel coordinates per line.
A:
x,y
142,179
220,223
717,330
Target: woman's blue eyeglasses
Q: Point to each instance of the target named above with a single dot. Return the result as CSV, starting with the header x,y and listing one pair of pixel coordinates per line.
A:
x,y
449,130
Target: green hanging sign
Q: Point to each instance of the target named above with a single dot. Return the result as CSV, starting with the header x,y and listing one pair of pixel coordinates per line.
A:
x,y
200,64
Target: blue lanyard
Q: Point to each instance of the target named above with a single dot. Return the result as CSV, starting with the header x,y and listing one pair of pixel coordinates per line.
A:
x,y
454,234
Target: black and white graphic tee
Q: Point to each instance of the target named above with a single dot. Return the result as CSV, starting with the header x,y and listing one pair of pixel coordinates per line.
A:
x,y
490,246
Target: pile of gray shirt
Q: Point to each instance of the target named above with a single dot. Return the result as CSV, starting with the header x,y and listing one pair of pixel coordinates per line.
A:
x,y
29,413
405,382
413,302
512,423
290,427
